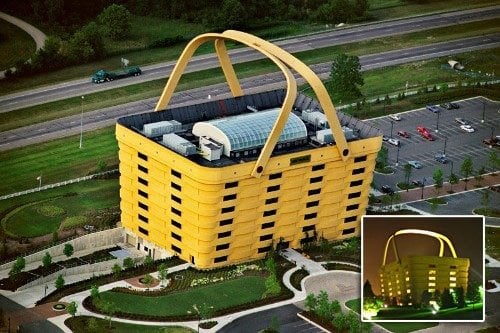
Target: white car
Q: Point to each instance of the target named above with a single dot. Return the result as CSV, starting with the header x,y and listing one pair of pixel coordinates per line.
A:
x,y
394,142
467,128
395,117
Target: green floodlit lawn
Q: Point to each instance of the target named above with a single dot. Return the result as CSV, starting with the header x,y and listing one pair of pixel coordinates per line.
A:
x,y
56,160
492,237
51,208
15,44
80,324
220,295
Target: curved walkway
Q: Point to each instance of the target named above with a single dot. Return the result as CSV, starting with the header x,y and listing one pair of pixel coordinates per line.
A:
x,y
36,34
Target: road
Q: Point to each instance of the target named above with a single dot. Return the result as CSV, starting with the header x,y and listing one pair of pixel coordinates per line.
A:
x,y
293,44
106,117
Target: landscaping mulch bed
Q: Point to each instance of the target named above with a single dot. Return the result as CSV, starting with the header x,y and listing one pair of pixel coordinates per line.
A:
x,y
321,322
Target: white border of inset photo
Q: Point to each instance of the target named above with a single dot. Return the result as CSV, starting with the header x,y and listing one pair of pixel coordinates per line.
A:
x,y
387,229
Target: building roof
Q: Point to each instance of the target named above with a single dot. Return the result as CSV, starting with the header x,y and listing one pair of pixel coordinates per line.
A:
x,y
249,130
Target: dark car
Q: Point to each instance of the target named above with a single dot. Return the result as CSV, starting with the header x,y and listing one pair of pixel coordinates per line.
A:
x,y
387,189
417,183
404,134
433,108
441,158
450,106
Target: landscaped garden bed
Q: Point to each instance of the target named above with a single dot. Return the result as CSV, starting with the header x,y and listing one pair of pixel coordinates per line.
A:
x,y
86,324
297,277
334,266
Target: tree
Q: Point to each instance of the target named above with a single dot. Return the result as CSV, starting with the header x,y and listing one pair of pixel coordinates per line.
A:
x,y
437,176
311,302
425,298
453,179
117,269
271,265
493,161
479,175
473,295
345,77
162,272
466,169
232,15
115,21
92,324
55,237
274,325
460,297
147,279
94,292
68,250
18,267
382,159
272,286
485,201
72,308
128,263
447,299
59,282
341,322
47,259
109,308
86,44
367,290
148,261
407,170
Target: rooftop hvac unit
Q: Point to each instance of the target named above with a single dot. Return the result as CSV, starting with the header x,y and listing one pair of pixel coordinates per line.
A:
x,y
349,133
178,144
315,118
324,136
161,127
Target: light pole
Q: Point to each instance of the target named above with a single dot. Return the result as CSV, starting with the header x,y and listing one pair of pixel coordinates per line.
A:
x,y
451,171
484,108
392,126
423,185
397,156
39,178
437,122
444,149
81,124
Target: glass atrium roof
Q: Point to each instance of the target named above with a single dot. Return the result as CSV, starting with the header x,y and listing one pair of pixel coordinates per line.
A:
x,y
249,130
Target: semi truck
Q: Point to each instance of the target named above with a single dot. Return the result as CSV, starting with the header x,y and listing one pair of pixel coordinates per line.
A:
x,y
103,75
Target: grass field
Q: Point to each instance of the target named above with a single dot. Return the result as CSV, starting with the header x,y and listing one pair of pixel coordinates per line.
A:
x,y
57,208
14,44
220,295
84,324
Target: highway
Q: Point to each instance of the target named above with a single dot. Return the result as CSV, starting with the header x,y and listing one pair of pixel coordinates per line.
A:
x,y
294,44
67,126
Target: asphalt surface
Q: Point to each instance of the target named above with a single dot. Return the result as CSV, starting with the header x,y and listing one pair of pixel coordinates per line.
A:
x,y
293,44
67,126
459,144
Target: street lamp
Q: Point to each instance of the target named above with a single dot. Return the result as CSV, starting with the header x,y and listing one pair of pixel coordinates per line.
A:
x,y
437,122
423,185
397,156
451,171
484,108
444,149
39,178
392,126
81,123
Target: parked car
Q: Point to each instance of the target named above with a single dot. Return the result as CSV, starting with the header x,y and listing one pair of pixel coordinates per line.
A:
x,y
467,128
450,106
441,158
385,138
395,117
386,189
404,134
492,142
415,164
424,132
433,108
418,183
462,121
394,142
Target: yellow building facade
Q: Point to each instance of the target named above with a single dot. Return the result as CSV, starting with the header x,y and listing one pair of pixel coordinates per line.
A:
x,y
184,192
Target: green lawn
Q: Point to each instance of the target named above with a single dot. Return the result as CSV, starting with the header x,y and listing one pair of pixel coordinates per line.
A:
x,y
14,44
492,237
83,324
219,295
58,207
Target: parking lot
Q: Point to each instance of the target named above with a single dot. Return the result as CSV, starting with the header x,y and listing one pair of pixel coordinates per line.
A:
x,y
449,139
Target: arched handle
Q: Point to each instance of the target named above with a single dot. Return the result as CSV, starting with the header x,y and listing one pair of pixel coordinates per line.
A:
x,y
284,61
436,235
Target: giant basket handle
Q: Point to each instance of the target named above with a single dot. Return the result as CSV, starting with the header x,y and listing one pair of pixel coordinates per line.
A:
x,y
436,235
281,58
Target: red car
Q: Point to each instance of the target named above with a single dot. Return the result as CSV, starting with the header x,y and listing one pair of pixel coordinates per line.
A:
x,y
424,132
404,134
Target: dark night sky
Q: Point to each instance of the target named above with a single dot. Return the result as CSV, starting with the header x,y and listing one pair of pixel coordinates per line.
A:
x,y
465,233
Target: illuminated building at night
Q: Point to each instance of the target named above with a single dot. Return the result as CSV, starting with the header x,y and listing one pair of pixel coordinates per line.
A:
x,y
405,279
224,181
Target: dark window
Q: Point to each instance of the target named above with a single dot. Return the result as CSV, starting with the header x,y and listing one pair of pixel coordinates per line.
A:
x,y
351,219
175,173
269,212
310,216
144,231
176,199
308,228
318,167
271,201
354,195
225,222
222,247
227,209
360,159
267,225
358,171
220,259
312,204
356,183
176,249
432,266
231,185
264,249
176,211
143,169
142,181
224,234
300,159
176,224
143,206
175,236
352,207
176,186
142,218
348,231
453,267
275,175
229,197
266,237
142,156
273,188
314,192
142,194
315,179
